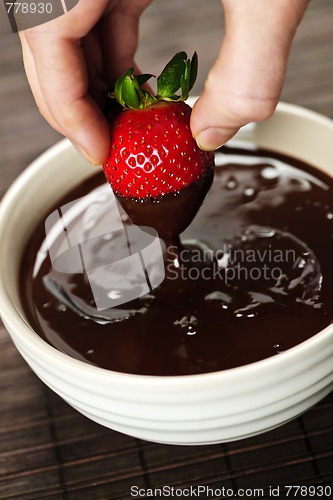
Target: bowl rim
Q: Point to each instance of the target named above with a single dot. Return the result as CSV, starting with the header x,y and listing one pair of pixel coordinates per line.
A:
x,y
25,335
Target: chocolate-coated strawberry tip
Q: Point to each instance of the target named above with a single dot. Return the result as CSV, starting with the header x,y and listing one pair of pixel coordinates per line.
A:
x,y
169,214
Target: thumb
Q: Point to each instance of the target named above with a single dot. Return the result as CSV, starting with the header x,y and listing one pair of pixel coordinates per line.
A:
x,y
245,83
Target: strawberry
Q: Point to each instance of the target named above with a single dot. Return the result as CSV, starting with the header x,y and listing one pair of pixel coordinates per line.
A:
x,y
153,155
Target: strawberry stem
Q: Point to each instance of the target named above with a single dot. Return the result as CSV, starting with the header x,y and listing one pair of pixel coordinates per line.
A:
x,y
179,74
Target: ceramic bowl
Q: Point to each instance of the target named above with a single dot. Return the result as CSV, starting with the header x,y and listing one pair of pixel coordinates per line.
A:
x,y
196,409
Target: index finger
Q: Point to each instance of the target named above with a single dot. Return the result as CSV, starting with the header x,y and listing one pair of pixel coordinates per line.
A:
x,y
62,77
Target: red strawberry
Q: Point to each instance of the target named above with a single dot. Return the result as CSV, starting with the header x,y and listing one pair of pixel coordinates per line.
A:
x,y
153,152
153,155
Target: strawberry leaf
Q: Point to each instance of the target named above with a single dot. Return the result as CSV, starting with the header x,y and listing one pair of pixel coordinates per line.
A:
x,y
193,70
147,99
142,79
125,92
185,82
179,74
128,92
177,58
169,81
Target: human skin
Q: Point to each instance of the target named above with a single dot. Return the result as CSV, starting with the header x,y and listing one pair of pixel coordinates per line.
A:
x,y
71,60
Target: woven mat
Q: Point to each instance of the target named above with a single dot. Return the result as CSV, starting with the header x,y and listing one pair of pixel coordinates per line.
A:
x,y
48,450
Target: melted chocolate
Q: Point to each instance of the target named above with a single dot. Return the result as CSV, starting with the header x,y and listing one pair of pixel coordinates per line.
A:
x,y
253,276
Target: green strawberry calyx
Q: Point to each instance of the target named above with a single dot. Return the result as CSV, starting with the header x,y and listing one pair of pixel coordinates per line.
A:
x,y
178,75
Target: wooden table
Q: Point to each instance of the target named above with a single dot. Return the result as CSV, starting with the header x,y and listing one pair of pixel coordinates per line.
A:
x,y
48,450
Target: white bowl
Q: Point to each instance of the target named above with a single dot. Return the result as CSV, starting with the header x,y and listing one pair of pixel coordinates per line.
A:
x,y
196,409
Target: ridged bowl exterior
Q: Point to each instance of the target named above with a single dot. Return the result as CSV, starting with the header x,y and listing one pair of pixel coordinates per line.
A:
x,y
197,409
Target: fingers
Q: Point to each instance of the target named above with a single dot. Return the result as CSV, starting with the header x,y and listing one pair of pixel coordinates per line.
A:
x,y
79,52
57,74
245,83
56,70
30,69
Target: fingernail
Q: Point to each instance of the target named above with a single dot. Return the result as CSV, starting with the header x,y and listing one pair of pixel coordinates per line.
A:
x,y
212,138
84,153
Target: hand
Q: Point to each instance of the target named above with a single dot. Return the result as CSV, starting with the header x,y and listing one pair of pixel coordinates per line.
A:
x,y
245,83
64,62
71,60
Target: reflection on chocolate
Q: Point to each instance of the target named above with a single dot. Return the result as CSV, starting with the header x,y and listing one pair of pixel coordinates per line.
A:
x,y
252,277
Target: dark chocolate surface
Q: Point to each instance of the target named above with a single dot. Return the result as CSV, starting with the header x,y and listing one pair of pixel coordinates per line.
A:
x,y
251,278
